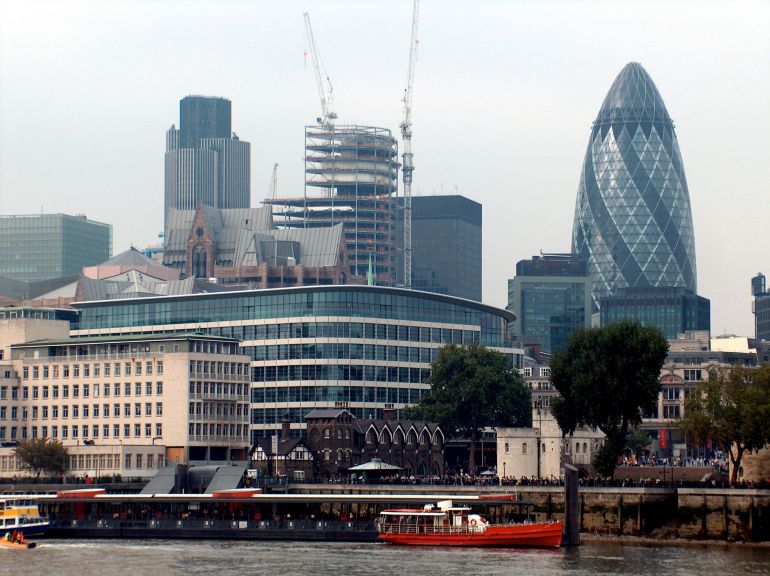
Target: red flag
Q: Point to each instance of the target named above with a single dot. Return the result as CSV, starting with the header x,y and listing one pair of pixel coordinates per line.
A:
x,y
663,437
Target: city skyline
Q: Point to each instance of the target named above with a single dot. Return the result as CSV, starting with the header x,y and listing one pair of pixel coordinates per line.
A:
x,y
504,98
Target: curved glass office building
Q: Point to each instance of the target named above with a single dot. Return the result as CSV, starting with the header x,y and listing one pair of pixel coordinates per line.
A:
x,y
364,348
633,222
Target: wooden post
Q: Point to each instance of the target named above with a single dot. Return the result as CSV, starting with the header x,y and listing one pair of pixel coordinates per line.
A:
x,y
725,516
571,535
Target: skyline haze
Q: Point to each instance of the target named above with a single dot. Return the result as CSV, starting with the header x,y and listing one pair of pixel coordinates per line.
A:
x,y
504,97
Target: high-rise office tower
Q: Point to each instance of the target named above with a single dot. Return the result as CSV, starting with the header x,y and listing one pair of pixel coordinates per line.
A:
x,y
551,298
633,222
203,117
44,246
446,245
351,178
205,162
760,307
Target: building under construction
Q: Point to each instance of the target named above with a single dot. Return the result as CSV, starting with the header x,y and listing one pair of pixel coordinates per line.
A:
x,y
351,177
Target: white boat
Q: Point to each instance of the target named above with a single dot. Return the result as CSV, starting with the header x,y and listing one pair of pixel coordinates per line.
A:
x,y
20,514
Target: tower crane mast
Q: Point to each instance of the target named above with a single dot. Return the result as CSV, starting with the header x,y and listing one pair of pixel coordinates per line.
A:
x,y
408,163
274,182
327,115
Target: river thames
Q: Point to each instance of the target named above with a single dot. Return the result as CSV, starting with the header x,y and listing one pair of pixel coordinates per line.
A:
x,y
165,557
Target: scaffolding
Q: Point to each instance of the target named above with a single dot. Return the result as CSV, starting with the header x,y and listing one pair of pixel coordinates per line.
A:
x,y
351,177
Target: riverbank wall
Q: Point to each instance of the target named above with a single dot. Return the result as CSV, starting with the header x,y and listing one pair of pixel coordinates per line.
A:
x,y
693,513
661,513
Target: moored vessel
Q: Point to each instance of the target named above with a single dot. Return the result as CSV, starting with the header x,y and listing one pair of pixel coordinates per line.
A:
x,y
21,514
449,525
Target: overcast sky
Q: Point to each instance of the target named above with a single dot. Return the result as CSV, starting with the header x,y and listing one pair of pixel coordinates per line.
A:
x,y
505,93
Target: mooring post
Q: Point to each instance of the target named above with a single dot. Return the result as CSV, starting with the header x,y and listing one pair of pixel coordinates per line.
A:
x,y
571,535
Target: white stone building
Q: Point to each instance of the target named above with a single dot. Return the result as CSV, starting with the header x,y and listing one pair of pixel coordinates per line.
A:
x,y
541,451
124,405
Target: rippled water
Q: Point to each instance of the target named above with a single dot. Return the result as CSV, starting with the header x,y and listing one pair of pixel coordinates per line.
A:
x,y
159,557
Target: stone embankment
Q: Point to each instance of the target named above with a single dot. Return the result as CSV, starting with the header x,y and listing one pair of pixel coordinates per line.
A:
x,y
687,513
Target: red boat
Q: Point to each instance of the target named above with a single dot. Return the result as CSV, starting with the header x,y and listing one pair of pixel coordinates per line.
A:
x,y
456,526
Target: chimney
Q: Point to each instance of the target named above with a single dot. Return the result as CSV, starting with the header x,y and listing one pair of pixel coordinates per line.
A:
x,y
389,414
285,427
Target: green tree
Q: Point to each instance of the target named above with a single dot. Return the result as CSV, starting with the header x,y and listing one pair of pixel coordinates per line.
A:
x,y
606,378
637,440
42,455
731,408
472,387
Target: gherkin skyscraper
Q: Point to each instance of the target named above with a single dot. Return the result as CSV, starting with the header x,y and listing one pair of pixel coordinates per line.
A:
x,y
633,222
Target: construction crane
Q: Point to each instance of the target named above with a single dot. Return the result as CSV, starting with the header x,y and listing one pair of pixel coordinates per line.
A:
x,y
408,163
274,182
327,115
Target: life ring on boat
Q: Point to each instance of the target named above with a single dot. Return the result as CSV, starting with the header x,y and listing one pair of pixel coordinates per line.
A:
x,y
473,522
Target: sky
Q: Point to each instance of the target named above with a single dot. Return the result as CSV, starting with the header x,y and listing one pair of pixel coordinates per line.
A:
x,y
504,96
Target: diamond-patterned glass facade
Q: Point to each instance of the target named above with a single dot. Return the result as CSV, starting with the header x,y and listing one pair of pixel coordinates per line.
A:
x,y
633,221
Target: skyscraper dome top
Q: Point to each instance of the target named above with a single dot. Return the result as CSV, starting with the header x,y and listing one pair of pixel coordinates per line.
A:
x,y
633,97
633,221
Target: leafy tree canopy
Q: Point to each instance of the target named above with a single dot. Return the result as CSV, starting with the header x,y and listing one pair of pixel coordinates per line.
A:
x,y
638,439
607,377
731,408
472,387
42,455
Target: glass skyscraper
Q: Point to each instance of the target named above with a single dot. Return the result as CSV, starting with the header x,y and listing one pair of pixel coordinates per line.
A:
x,y
43,246
446,245
633,222
205,162
551,299
673,311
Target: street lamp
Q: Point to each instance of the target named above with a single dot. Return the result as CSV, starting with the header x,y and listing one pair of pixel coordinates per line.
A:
x,y
538,407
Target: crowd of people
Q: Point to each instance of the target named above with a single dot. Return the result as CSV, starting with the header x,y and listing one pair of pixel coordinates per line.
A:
x,y
17,537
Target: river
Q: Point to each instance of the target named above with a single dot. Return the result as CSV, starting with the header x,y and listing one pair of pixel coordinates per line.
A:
x,y
189,558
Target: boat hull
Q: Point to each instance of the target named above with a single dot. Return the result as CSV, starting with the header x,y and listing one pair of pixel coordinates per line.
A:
x,y
17,545
36,529
537,535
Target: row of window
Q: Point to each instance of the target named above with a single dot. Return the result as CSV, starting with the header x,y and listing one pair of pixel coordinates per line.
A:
x,y
342,351
201,430
83,411
305,394
211,368
83,431
101,462
367,330
91,370
338,301
336,373
240,391
36,392
218,409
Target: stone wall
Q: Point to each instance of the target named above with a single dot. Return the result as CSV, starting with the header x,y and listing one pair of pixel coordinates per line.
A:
x,y
696,513
724,514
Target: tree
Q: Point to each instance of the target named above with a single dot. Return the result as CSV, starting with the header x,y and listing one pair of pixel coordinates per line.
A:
x,y
733,409
42,455
472,387
637,440
607,377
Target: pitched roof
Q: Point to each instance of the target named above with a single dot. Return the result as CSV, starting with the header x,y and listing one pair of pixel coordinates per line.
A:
x,y
284,446
326,413
132,257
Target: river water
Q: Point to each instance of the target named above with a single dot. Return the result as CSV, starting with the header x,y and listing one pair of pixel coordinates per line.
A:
x,y
190,558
